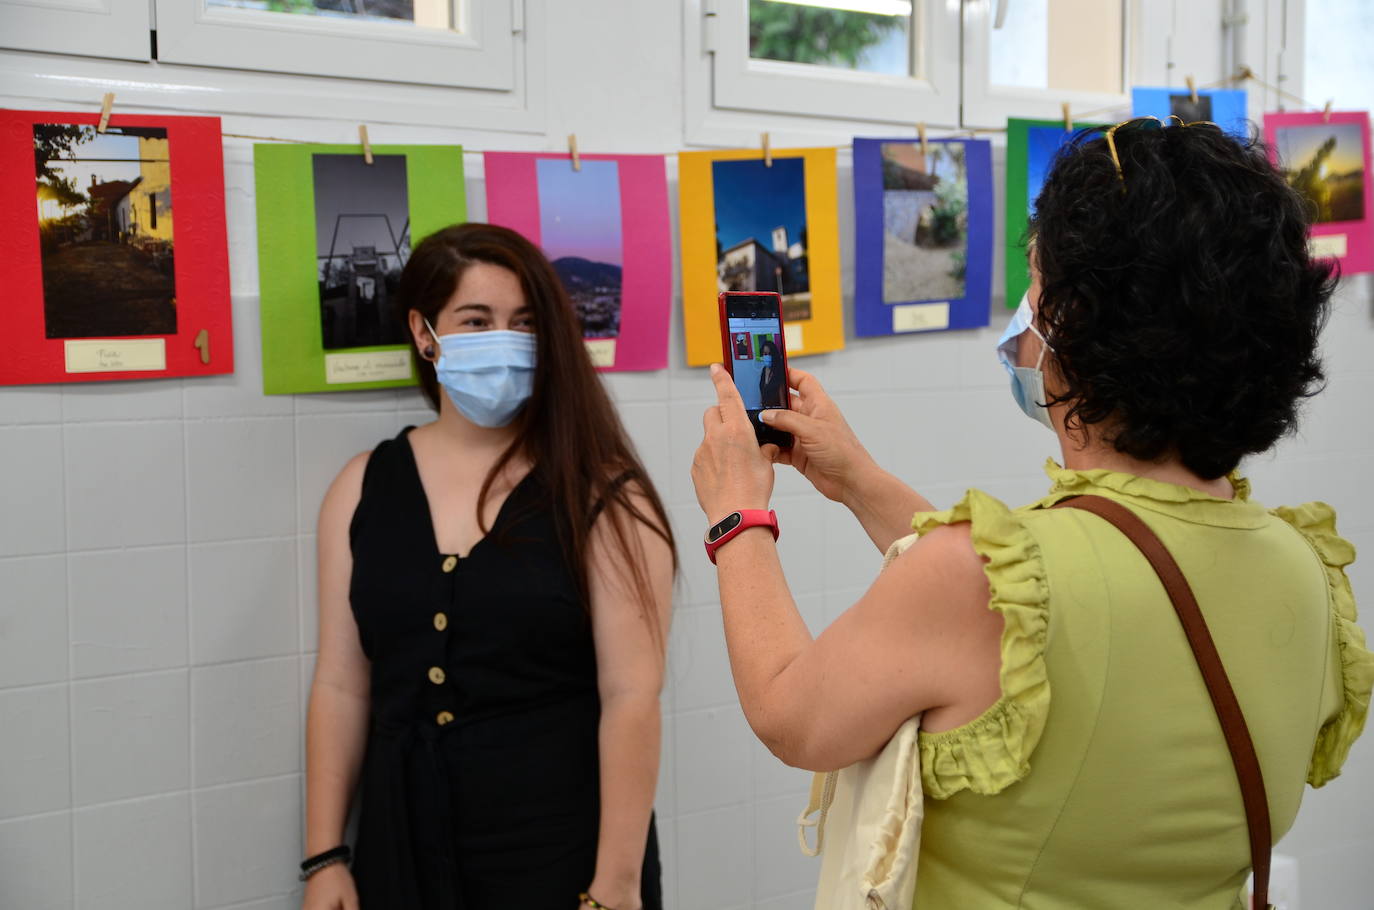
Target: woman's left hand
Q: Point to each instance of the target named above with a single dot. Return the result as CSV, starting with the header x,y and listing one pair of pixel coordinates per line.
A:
x,y
730,470
625,897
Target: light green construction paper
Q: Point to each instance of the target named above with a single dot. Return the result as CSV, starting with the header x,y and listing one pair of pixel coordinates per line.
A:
x,y
1017,271
289,303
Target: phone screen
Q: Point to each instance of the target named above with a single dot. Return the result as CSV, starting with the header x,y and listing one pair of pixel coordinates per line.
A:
x,y
757,360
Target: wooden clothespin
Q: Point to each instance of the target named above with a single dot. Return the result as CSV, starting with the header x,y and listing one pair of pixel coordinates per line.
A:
x,y
572,152
1192,87
767,150
106,103
1244,74
1326,112
202,344
367,145
1068,117
921,132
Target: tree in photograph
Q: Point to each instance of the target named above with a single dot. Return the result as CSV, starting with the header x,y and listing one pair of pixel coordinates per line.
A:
x,y
785,31
54,142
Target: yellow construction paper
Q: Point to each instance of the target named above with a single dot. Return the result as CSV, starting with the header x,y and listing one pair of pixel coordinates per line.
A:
x,y
701,287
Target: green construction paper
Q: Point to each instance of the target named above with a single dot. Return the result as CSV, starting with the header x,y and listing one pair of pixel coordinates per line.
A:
x,y
1017,216
292,345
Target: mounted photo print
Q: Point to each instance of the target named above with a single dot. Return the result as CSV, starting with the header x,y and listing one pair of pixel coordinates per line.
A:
x,y
334,233
1031,147
1326,158
1223,106
923,226
605,227
748,225
117,250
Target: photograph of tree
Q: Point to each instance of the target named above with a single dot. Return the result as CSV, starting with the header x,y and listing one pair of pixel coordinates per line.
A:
x,y
105,230
580,232
925,221
1325,163
362,241
761,236
1325,156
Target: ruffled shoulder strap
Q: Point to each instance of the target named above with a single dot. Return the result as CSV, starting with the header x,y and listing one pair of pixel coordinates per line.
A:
x,y
992,752
1316,521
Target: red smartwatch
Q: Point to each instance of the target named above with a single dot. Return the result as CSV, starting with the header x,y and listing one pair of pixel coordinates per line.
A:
x,y
732,524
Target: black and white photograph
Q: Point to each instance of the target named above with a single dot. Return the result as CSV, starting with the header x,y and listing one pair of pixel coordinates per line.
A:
x,y
362,241
105,230
1189,110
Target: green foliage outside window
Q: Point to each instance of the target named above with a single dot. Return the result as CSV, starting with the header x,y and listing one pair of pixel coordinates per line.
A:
x,y
802,34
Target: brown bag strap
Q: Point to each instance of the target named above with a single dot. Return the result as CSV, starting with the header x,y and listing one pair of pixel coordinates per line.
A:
x,y
1213,674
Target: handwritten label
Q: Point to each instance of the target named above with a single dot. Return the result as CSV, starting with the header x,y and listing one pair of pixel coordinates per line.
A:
x,y
1331,246
920,317
367,366
792,337
602,351
117,355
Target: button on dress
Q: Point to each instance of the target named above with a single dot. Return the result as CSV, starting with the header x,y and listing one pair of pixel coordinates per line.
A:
x,y
480,787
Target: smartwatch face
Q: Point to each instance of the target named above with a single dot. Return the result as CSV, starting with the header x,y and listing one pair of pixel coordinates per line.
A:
x,y
725,526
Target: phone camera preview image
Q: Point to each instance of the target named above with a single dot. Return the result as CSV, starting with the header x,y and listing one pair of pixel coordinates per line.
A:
x,y
754,351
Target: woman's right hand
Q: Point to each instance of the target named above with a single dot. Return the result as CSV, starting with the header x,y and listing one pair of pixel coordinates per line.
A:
x,y
331,889
825,450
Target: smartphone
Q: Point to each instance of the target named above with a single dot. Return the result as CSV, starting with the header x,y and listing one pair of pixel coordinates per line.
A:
x,y
753,350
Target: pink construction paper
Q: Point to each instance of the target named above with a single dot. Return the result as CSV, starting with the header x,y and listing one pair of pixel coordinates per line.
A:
x,y
647,273
1359,235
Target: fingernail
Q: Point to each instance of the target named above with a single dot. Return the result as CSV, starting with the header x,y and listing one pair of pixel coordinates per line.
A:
x,y
715,368
766,415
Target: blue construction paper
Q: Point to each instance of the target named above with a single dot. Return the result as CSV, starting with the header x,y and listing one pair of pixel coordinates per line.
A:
x,y
1224,107
872,313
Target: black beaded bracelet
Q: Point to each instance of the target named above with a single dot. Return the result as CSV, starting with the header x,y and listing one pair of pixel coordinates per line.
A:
x,y
313,864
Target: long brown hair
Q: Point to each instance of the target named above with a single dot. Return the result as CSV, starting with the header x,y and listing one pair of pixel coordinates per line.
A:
x,y
569,430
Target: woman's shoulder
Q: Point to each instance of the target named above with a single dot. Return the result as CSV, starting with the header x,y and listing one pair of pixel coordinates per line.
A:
x,y
1316,523
992,752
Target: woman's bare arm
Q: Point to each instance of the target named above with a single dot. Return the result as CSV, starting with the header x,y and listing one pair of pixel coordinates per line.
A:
x,y
336,726
630,660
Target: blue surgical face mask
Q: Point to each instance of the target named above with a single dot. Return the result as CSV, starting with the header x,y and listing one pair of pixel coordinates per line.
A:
x,y
766,360
488,375
1027,383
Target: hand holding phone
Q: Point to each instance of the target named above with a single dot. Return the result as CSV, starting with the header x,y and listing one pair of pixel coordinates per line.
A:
x,y
754,351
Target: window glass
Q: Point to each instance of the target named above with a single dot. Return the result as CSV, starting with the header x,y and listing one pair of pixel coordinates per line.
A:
x,y
1337,63
423,13
1068,45
873,36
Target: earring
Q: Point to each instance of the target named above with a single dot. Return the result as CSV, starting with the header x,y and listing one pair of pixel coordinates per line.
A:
x,y
429,352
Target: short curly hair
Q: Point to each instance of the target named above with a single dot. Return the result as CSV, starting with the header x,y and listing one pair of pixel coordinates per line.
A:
x,y
1180,298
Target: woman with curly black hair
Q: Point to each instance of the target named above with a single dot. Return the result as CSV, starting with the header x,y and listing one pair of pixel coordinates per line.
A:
x,y
1069,752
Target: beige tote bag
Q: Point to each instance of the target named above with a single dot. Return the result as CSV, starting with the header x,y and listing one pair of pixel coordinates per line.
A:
x,y
868,821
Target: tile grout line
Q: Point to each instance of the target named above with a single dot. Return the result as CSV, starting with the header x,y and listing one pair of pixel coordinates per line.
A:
x,y
191,775
71,661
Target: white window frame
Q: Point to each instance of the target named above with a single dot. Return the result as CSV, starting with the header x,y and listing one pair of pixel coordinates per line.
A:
x,y
987,106
742,83
479,53
89,28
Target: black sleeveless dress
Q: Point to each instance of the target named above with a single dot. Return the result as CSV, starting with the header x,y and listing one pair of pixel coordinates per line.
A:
x,y
480,787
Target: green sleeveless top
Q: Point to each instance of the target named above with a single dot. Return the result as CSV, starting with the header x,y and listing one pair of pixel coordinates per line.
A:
x,y
1100,778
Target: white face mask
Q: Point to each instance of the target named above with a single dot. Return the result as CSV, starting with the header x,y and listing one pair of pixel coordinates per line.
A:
x,y
488,375
1027,383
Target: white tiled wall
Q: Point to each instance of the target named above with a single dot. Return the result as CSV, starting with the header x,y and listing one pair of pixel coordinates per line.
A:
x,y
157,574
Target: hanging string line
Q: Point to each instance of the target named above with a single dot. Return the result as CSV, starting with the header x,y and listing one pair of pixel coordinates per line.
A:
x,y
1244,74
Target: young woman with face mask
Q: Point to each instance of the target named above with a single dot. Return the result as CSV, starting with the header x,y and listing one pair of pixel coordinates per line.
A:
x,y
772,382
1069,752
494,590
